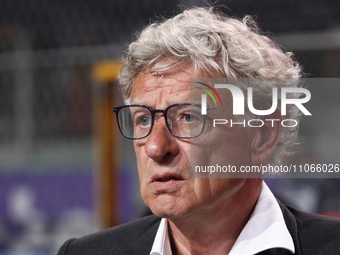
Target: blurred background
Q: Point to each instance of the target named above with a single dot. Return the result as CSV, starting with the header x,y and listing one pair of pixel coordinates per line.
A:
x,y
64,169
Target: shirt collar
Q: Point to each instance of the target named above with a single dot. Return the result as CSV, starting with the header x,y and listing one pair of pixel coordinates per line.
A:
x,y
265,229
161,244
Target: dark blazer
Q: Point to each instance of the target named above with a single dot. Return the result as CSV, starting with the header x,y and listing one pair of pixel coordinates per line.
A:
x,y
312,235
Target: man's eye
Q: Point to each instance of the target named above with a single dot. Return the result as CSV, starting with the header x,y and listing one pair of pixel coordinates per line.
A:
x,y
144,121
190,117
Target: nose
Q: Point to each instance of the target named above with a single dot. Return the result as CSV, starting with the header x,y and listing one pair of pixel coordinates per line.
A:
x,y
161,145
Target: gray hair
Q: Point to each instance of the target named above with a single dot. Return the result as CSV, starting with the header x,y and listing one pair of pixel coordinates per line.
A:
x,y
215,43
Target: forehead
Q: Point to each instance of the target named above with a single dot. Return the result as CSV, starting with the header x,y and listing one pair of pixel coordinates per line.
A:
x,y
169,86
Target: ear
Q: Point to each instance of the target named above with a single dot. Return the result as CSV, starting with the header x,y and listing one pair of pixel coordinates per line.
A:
x,y
266,138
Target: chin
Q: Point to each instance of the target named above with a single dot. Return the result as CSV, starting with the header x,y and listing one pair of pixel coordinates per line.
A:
x,y
169,209
168,214
160,213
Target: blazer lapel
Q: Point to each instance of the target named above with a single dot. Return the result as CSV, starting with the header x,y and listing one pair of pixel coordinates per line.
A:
x,y
292,226
143,245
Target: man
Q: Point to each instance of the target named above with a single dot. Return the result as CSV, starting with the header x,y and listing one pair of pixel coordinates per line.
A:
x,y
206,215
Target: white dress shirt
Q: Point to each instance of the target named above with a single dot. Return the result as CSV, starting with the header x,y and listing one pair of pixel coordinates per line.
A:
x,y
265,229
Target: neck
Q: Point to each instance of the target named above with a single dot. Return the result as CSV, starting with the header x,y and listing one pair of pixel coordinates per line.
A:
x,y
215,230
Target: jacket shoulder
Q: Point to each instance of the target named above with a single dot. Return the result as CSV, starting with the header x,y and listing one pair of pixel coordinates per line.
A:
x,y
316,234
123,239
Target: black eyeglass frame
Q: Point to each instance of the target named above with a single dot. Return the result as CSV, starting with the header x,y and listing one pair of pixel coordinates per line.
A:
x,y
153,112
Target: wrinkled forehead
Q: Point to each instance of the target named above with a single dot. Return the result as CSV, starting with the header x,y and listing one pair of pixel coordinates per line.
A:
x,y
176,83
167,85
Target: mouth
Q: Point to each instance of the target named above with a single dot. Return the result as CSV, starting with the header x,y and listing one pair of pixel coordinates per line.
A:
x,y
166,177
166,182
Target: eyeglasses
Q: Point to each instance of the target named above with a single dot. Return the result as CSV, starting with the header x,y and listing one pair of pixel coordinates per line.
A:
x,y
183,120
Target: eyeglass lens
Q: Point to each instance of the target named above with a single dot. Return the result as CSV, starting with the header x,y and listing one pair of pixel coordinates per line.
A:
x,y
183,121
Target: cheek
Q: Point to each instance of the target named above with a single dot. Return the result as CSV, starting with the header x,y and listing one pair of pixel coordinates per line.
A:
x,y
210,192
185,150
139,148
141,164
223,143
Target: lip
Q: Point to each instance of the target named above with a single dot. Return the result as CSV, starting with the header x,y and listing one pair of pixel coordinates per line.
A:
x,y
166,181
